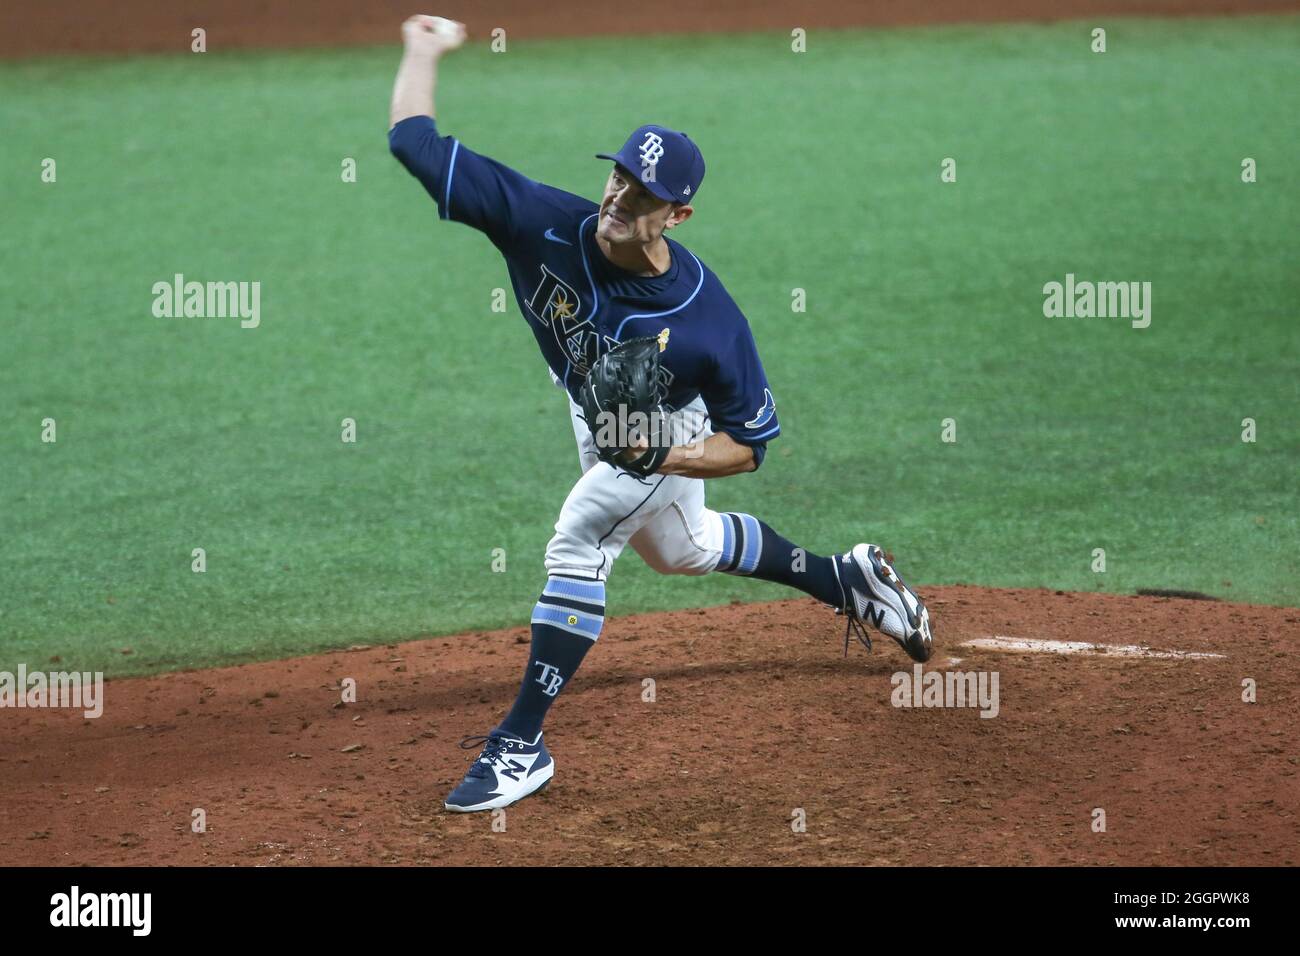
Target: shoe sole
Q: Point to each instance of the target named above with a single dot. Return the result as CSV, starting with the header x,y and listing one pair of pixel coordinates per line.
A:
x,y
919,623
535,783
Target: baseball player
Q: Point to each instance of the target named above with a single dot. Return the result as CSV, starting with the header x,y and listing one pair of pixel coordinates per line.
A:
x,y
621,310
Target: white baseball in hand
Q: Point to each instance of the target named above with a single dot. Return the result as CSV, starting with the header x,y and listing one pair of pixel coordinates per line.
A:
x,y
433,35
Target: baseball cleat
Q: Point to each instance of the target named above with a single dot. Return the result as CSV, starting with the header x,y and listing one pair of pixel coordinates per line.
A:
x,y
875,594
507,770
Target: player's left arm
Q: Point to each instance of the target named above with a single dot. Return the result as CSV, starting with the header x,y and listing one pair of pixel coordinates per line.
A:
x,y
742,412
717,456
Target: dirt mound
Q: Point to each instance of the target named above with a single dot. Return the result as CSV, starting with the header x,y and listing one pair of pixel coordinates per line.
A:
x,y
756,716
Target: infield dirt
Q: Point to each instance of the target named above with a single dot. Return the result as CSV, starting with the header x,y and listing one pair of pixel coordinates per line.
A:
x,y
756,715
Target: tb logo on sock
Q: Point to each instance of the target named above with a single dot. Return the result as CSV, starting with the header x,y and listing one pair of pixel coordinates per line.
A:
x,y
550,679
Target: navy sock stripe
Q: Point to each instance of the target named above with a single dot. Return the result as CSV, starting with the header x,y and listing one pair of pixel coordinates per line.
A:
x,y
752,554
738,536
555,600
752,549
749,534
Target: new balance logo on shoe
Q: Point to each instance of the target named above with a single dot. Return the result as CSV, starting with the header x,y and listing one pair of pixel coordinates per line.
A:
x,y
513,769
876,616
507,770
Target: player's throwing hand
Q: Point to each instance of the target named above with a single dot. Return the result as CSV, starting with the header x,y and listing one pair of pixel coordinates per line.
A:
x,y
432,36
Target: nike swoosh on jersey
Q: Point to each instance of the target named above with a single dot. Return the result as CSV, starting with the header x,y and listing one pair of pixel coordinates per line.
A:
x,y
550,234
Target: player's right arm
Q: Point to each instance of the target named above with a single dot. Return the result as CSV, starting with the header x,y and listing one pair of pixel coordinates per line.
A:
x,y
424,39
468,187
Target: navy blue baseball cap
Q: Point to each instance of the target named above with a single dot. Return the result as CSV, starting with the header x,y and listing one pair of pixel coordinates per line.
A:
x,y
667,162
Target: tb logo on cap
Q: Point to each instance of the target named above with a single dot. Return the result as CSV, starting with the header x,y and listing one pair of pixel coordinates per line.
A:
x,y
652,150
674,177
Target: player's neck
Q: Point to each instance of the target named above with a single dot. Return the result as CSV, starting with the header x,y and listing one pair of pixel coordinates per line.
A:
x,y
650,260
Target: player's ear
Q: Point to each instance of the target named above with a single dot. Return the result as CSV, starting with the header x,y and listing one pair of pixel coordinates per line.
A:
x,y
681,212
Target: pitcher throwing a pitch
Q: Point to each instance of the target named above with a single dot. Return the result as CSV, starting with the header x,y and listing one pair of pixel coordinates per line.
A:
x,y
665,390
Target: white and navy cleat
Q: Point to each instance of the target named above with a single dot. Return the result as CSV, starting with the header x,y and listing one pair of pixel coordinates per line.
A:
x,y
507,770
874,594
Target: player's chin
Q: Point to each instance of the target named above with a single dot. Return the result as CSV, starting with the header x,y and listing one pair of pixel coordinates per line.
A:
x,y
611,230
614,226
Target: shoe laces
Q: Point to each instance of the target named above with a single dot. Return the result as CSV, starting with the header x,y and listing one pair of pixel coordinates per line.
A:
x,y
852,625
851,622
495,743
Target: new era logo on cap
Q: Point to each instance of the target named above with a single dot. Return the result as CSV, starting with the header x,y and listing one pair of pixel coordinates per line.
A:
x,y
668,162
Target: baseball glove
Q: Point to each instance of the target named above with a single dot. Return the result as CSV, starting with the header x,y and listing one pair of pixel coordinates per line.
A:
x,y
622,406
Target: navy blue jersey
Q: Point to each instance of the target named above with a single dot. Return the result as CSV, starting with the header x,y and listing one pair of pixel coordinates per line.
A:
x,y
579,304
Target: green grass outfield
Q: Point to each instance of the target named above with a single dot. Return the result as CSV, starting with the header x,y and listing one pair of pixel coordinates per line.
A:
x,y
924,303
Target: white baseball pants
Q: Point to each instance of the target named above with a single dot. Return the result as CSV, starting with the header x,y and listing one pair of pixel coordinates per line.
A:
x,y
663,517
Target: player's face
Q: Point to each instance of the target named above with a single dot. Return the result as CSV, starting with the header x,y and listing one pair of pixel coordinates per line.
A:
x,y
631,213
